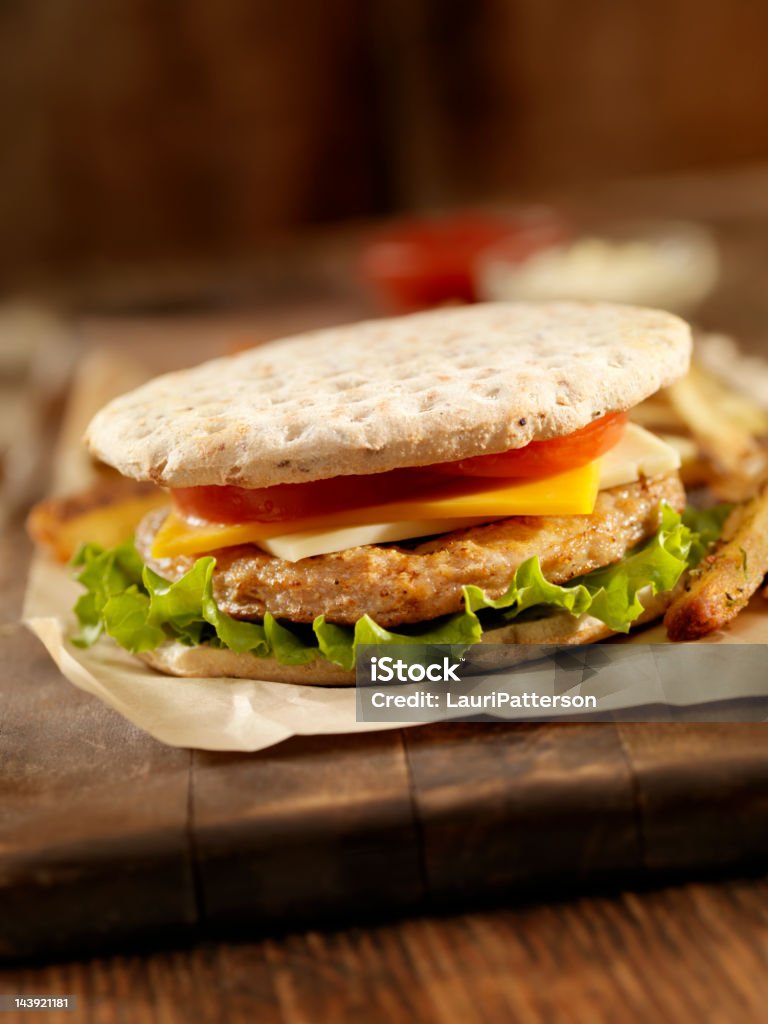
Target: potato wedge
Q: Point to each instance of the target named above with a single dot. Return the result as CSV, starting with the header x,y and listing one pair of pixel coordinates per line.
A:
x,y
657,414
721,586
107,514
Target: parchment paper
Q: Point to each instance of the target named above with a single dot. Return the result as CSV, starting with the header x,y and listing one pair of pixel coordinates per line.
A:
x,y
240,714
210,714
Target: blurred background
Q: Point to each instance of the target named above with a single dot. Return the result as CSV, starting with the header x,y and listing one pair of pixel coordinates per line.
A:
x,y
139,133
182,179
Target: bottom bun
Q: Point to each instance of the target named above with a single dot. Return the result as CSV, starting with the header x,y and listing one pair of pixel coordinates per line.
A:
x,y
175,659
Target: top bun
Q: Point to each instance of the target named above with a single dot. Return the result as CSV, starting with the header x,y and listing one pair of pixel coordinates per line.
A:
x,y
408,391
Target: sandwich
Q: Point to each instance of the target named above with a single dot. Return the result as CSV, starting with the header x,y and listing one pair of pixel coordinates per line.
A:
x,y
461,476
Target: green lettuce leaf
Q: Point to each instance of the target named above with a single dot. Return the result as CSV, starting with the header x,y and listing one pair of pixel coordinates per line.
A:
x,y
706,525
656,567
286,646
140,610
115,601
610,594
126,618
339,643
529,589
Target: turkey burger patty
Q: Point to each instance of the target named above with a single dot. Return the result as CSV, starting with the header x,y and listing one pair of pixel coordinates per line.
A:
x,y
395,584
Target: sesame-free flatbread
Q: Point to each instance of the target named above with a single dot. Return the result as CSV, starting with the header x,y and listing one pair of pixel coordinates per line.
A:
x,y
407,391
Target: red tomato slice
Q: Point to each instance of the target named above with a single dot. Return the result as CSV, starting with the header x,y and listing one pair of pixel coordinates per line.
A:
x,y
288,502
543,458
425,262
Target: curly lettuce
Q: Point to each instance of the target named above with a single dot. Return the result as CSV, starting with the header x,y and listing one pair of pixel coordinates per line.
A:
x,y
140,610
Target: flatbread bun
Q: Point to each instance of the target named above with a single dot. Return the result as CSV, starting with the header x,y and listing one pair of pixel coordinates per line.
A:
x,y
375,396
559,629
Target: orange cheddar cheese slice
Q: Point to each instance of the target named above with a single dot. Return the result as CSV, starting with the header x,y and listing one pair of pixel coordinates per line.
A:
x,y
571,493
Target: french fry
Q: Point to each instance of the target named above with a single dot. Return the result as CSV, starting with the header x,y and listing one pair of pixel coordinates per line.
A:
x,y
722,585
106,513
745,374
657,414
730,431
722,430
728,427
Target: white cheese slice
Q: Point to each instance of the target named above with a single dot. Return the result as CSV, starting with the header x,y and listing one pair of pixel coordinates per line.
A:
x,y
639,453
295,546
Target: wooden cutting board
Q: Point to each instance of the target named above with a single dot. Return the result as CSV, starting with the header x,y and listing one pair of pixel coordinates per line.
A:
x,y
108,838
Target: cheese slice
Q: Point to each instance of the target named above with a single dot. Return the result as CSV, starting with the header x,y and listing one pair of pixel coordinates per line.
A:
x,y
638,454
570,493
307,543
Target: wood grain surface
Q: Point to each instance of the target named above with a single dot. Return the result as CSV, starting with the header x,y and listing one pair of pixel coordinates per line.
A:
x,y
694,953
94,812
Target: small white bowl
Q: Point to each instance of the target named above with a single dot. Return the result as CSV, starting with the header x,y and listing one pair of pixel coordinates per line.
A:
x,y
670,265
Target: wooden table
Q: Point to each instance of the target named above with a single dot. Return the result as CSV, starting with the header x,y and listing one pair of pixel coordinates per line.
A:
x,y
694,952
697,952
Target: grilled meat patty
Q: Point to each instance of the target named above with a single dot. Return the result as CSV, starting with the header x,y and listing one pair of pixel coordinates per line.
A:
x,y
413,582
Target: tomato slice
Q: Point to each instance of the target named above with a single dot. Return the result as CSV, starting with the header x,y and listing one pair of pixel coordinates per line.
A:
x,y
424,262
543,458
289,502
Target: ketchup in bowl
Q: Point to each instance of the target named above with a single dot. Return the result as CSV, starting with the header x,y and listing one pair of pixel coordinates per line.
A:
x,y
430,261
